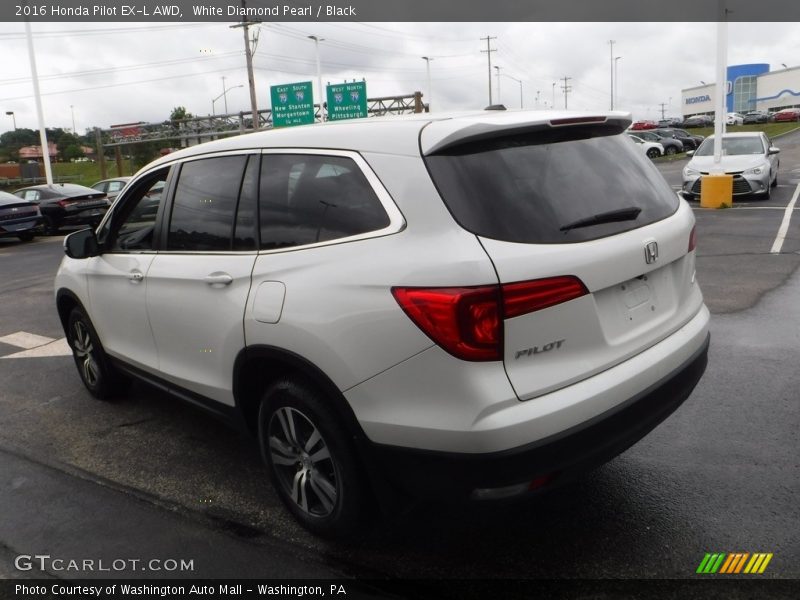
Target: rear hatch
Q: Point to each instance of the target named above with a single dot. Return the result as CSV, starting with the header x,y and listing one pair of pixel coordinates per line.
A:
x,y
592,248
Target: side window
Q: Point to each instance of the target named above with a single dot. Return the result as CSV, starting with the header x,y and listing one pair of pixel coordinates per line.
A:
x,y
132,230
205,201
113,186
306,198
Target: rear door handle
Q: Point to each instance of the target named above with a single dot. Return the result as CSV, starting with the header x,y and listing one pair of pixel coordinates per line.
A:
x,y
135,276
218,279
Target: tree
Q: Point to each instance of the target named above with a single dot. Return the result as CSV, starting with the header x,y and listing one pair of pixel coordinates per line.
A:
x,y
179,113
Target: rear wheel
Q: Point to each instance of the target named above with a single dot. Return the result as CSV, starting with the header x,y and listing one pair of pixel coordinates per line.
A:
x,y
311,459
670,150
26,236
653,153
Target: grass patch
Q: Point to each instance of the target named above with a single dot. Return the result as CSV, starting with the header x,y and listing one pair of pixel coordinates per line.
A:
x,y
771,129
87,173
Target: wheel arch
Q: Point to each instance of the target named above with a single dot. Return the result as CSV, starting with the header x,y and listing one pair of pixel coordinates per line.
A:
x,y
66,301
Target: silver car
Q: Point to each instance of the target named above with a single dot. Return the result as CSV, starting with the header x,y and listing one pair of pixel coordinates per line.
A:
x,y
750,157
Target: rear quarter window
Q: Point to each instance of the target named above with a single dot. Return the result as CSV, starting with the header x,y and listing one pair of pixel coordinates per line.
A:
x,y
525,188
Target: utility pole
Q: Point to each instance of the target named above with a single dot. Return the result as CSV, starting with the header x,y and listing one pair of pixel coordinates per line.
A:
x,y
499,100
428,60
662,105
537,99
317,40
248,53
553,103
489,51
567,89
611,43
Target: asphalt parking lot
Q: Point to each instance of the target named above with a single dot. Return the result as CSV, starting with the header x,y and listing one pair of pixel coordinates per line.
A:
x,y
146,476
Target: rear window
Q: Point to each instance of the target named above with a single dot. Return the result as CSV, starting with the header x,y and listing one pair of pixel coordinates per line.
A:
x,y
530,188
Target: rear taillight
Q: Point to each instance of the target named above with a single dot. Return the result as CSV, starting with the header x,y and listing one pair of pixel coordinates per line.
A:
x,y
693,239
466,321
66,202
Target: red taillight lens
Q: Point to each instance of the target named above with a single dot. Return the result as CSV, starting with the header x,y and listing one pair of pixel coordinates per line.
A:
x,y
466,321
66,202
463,321
693,239
529,296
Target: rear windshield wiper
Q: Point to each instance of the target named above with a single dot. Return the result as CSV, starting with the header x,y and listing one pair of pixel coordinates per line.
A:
x,y
612,216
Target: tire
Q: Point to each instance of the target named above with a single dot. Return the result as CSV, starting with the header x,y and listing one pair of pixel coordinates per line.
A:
x,y
775,182
93,366
670,150
653,153
49,227
27,236
311,459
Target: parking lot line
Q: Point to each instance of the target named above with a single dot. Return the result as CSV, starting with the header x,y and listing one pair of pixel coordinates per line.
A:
x,y
23,339
784,228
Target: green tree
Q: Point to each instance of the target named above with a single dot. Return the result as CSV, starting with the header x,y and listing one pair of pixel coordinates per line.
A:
x,y
71,151
179,113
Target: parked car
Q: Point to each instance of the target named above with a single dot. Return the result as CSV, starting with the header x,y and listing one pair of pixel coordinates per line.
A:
x,y
650,149
639,125
787,114
689,141
671,145
698,121
734,119
670,122
18,218
756,116
749,157
402,307
65,204
111,187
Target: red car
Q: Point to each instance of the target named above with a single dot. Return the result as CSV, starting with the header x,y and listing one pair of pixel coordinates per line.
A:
x,y
639,125
787,114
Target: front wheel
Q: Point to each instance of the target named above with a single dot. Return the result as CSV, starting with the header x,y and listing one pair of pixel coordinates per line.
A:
x,y
653,153
90,358
670,150
311,459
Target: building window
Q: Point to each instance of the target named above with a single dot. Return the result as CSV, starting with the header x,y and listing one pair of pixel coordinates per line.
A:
x,y
744,93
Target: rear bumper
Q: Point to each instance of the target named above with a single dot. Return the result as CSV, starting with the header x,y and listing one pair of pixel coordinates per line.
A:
x,y
422,473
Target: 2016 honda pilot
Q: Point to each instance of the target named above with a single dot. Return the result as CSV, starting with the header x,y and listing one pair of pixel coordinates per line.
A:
x,y
473,305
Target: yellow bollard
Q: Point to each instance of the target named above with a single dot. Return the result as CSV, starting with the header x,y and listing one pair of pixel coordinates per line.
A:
x,y
716,191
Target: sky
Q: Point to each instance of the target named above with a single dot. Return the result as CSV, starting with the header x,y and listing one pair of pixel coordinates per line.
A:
x,y
112,73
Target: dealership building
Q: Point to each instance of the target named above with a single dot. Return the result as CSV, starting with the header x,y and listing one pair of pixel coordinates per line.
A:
x,y
750,87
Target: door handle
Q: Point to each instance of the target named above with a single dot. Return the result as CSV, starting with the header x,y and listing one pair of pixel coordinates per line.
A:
x,y
218,279
135,276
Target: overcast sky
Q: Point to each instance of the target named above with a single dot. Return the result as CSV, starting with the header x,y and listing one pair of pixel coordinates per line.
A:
x,y
119,73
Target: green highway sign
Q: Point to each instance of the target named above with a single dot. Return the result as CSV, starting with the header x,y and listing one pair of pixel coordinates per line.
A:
x,y
292,104
347,101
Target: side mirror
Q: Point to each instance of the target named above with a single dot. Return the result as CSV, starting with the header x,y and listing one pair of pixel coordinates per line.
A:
x,y
81,244
690,153
773,150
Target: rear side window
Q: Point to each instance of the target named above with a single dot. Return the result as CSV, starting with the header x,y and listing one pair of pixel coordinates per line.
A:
x,y
204,207
307,198
530,188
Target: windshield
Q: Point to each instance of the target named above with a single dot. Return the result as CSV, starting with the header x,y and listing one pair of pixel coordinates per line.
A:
x,y
737,146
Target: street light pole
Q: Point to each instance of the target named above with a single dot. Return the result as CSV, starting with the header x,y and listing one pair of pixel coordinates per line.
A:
x,y
72,109
519,81
223,95
13,118
611,43
317,40
616,81
428,60
499,101
553,104
48,171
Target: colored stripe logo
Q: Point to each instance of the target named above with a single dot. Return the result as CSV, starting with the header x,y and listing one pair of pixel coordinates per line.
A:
x,y
734,563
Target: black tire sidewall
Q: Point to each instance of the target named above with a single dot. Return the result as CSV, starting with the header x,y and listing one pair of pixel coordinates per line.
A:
x,y
350,509
102,389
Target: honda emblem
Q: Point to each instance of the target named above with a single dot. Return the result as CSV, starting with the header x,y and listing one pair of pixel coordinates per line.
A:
x,y
651,252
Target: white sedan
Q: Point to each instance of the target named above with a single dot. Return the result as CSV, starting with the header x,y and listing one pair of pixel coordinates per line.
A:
x,y
651,149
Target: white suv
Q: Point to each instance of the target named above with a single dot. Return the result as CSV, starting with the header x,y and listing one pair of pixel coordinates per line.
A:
x,y
475,305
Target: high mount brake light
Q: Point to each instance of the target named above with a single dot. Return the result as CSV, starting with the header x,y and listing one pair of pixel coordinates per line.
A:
x,y
467,321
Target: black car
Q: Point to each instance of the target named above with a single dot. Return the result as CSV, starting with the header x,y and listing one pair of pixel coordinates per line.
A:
x,y
698,121
671,145
670,122
689,141
18,217
66,204
756,116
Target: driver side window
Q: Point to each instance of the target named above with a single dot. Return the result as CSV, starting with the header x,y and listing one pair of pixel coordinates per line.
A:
x,y
133,228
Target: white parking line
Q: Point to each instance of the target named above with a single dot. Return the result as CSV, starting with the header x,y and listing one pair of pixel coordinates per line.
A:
x,y
54,348
23,339
784,228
